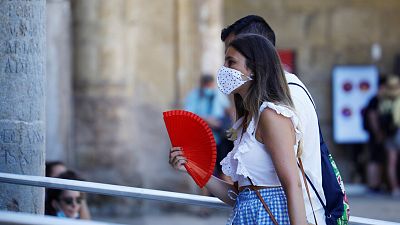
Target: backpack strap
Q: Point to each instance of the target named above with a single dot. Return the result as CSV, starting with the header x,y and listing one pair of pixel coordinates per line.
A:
x,y
300,163
308,94
321,140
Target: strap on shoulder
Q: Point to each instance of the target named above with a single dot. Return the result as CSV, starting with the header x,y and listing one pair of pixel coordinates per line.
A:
x,y
321,141
308,94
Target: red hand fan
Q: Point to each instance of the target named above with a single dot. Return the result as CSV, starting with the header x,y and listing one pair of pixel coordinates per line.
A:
x,y
189,131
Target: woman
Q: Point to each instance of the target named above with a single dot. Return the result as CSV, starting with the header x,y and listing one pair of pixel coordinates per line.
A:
x,y
65,203
268,138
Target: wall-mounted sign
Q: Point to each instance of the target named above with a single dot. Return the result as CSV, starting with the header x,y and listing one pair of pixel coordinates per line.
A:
x,y
288,60
353,87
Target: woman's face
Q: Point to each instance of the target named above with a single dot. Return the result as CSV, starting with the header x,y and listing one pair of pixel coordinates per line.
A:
x,y
70,203
235,60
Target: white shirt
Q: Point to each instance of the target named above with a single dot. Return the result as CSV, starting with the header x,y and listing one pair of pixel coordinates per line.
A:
x,y
311,156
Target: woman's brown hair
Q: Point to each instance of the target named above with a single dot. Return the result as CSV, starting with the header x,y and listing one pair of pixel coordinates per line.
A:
x,y
269,82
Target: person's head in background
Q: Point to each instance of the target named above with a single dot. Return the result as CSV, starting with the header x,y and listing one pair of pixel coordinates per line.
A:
x,y
55,168
65,203
392,87
381,85
207,84
249,24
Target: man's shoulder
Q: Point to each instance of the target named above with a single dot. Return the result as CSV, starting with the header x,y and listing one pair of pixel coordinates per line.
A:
x,y
294,82
300,94
292,78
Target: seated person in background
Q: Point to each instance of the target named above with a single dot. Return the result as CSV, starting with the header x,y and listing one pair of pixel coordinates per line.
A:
x,y
66,203
55,168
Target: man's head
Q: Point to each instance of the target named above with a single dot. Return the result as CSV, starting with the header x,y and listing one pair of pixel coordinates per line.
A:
x,y
249,24
206,81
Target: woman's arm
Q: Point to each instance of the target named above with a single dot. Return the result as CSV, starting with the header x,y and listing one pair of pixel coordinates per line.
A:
x,y
84,212
216,186
220,189
277,134
373,119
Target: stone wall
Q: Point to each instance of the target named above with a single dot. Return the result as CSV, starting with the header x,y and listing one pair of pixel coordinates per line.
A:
x,y
133,59
324,34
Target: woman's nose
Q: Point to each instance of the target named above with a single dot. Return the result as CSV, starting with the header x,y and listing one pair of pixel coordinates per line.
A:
x,y
74,204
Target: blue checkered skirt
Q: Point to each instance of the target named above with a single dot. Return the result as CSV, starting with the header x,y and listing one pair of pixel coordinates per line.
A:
x,y
249,210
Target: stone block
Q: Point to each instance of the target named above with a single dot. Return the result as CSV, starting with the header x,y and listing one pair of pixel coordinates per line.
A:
x,y
354,26
306,6
388,21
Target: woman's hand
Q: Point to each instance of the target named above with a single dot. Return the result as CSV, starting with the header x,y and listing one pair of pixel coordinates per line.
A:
x,y
176,158
216,186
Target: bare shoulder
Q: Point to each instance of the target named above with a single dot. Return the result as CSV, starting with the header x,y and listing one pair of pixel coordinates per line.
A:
x,y
270,117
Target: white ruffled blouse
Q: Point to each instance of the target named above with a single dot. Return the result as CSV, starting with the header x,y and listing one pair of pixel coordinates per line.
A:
x,y
249,158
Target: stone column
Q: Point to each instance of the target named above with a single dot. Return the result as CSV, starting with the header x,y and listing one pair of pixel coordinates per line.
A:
x,y
199,48
187,44
22,100
59,78
104,133
210,25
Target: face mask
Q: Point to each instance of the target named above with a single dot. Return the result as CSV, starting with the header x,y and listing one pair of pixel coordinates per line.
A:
x,y
229,79
61,214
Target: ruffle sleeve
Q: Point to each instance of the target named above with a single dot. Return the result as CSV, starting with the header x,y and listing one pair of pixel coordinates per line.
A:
x,y
286,112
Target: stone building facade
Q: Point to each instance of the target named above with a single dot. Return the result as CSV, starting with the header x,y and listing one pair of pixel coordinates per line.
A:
x,y
115,66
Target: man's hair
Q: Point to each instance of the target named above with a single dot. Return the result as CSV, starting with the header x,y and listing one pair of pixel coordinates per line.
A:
x,y
250,24
206,79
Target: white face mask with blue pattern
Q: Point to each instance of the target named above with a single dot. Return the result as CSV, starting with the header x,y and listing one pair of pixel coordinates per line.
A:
x,y
229,79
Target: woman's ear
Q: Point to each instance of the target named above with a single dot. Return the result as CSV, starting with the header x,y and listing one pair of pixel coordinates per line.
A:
x,y
249,72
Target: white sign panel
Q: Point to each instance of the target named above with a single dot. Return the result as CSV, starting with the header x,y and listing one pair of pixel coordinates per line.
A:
x,y
353,87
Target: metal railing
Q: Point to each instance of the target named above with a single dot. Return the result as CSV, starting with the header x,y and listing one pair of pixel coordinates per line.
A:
x,y
124,191
16,218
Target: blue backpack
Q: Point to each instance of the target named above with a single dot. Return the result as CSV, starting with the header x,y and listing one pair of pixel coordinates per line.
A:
x,y
337,207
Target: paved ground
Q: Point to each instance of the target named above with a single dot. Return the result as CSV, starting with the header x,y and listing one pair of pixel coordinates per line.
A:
x,y
371,206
